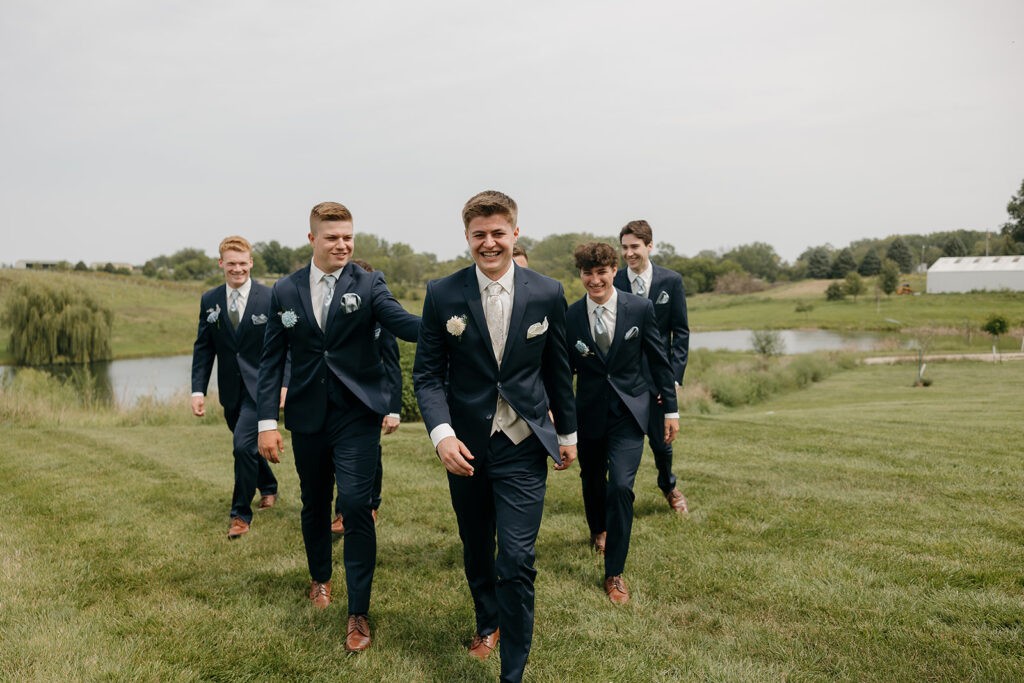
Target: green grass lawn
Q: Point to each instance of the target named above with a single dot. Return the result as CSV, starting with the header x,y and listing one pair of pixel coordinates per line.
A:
x,y
860,529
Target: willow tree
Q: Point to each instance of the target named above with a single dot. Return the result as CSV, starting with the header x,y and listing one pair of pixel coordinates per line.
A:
x,y
56,325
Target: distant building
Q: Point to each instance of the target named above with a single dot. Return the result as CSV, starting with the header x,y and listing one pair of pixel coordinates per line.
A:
x,y
37,265
959,274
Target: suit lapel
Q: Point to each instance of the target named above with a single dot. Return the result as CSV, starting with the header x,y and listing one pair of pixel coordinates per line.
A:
x,y
519,299
302,286
581,321
225,318
471,290
250,305
341,288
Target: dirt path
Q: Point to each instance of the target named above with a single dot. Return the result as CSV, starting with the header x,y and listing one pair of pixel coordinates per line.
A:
x,y
892,360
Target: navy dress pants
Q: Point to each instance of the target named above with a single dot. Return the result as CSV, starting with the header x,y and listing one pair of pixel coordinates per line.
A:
x,y
608,466
252,471
662,451
500,507
345,448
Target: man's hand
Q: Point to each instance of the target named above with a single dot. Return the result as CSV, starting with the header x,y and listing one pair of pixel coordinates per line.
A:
x,y
390,424
284,392
671,429
271,445
568,454
455,456
199,406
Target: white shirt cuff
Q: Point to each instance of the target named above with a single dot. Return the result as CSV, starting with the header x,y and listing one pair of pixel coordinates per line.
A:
x,y
566,439
266,425
441,431
197,393
673,416
395,415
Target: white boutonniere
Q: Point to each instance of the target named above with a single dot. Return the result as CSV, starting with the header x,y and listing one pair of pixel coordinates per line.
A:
x,y
537,329
583,348
213,315
288,318
632,333
456,325
260,319
350,302
662,298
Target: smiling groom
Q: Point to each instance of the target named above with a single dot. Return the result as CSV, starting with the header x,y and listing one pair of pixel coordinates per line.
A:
x,y
490,360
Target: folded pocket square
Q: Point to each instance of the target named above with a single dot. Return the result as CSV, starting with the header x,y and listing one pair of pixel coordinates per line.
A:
x,y
537,329
350,302
662,298
260,319
632,333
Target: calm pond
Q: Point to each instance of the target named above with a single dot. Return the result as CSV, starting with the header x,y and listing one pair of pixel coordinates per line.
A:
x,y
126,381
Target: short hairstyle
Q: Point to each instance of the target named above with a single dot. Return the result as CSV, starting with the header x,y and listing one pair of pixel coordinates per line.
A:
x,y
519,251
236,243
329,211
640,228
490,203
365,265
594,254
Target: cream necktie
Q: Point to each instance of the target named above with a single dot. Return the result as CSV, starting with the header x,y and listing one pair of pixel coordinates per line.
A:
x,y
495,314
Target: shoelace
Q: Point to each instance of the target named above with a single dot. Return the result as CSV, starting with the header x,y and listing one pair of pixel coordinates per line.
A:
x,y
617,584
359,624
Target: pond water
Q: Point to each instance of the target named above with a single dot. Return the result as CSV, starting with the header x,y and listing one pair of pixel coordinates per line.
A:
x,y
126,381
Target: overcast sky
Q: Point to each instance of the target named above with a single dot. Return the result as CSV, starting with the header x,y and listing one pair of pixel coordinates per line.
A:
x,y
133,129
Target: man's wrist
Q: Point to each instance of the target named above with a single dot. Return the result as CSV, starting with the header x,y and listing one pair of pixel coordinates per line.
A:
x,y
440,432
671,416
266,426
395,416
197,393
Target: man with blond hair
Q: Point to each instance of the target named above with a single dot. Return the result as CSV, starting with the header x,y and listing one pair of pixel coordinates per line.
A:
x,y
232,319
490,359
325,315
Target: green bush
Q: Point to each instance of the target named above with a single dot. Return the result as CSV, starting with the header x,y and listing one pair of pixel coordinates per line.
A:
x,y
406,356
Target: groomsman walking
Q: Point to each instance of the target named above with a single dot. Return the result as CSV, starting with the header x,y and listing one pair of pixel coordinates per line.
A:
x,y
325,315
490,360
613,336
232,319
664,288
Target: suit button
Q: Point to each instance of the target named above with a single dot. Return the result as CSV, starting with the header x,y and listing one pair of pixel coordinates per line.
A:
x,y
321,380
325,354
499,385
488,416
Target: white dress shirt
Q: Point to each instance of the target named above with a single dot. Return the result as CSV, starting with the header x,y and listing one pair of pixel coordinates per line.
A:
x,y
318,288
611,308
243,296
507,282
645,276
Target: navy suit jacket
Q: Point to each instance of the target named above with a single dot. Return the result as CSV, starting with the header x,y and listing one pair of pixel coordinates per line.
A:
x,y
457,379
622,370
669,299
237,351
345,349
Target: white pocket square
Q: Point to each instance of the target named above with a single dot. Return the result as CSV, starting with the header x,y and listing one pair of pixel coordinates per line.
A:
x,y
537,329
350,302
260,319
662,298
632,333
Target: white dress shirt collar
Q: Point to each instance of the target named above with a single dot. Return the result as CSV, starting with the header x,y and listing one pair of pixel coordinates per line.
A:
x,y
243,291
505,280
647,275
315,274
611,306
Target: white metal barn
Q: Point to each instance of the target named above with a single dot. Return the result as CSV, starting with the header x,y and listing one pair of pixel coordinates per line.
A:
x,y
960,274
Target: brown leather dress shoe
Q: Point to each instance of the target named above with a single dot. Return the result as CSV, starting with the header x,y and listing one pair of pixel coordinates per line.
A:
x,y
338,525
320,594
238,527
615,587
597,541
267,502
677,501
358,637
482,646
